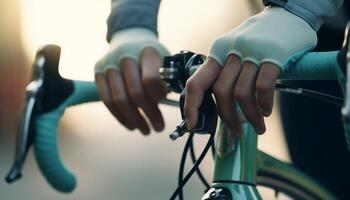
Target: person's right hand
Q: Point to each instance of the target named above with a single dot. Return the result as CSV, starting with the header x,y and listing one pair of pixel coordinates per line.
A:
x,y
128,80
244,64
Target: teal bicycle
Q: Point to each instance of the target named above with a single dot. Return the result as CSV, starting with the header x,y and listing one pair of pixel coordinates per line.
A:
x,y
239,166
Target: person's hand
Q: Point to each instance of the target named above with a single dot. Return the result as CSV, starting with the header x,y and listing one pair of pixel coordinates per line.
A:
x,y
243,67
128,80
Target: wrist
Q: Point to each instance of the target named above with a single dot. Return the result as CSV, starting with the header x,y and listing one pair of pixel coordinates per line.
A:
x,y
127,14
132,34
287,16
313,12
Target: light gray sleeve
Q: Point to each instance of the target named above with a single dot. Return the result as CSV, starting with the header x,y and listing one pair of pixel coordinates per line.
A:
x,y
132,13
313,12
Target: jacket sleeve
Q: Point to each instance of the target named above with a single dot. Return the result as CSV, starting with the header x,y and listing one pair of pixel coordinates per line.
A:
x,y
313,12
132,13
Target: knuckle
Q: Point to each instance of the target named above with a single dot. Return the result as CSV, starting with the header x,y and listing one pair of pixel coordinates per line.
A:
x,y
219,49
187,111
249,43
124,47
149,51
219,91
263,86
126,61
192,85
244,40
151,80
241,40
110,59
241,94
220,44
233,58
136,94
99,66
125,51
110,73
119,100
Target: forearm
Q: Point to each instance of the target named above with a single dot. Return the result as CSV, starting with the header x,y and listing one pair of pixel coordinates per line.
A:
x,y
312,11
132,13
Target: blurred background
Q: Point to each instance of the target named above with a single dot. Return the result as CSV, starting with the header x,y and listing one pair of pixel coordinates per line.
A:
x,y
109,161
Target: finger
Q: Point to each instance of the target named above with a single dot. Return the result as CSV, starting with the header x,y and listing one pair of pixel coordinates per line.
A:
x,y
103,90
137,94
223,92
244,92
153,84
196,85
121,101
265,87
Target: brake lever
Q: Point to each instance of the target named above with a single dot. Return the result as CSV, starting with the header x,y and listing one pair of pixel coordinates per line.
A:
x,y
344,60
45,91
25,134
175,72
207,117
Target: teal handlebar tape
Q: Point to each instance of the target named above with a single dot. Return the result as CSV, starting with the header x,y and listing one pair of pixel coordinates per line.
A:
x,y
312,66
45,144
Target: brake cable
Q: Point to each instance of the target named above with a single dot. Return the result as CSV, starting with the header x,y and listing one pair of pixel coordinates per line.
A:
x,y
190,146
199,172
183,163
194,167
311,93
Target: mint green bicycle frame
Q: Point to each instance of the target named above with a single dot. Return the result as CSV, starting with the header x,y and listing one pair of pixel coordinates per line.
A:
x,y
237,167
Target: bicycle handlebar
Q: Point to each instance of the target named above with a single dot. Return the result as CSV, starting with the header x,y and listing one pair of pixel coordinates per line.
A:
x,y
313,66
45,144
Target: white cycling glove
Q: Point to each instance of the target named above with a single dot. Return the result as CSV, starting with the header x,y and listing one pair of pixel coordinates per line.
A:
x,y
129,43
275,35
